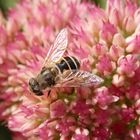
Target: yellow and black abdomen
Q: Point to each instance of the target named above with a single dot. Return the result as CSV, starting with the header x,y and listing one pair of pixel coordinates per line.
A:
x,y
68,63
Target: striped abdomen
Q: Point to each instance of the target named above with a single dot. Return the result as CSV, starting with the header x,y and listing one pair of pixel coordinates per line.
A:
x,y
68,63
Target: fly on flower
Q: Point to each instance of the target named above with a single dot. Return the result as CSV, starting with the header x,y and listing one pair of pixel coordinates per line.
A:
x,y
59,71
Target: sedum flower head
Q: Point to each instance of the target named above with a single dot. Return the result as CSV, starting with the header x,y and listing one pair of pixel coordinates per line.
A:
x,y
106,42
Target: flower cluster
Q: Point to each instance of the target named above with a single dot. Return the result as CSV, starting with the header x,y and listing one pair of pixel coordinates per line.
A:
x,y
107,41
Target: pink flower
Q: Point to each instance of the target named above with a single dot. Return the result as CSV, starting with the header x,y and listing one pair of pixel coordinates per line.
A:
x,y
103,98
57,109
107,32
115,52
128,114
105,65
81,134
134,45
101,133
106,42
18,136
128,65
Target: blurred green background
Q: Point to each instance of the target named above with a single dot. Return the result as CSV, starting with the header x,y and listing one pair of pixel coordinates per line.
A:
x,y
5,134
5,4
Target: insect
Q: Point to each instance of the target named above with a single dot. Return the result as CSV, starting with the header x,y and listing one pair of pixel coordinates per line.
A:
x,y
59,71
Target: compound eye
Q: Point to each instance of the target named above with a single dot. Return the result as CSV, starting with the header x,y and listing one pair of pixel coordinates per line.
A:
x,y
32,82
34,85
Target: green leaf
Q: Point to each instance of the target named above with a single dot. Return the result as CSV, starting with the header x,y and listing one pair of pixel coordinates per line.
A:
x,y
5,133
6,4
101,3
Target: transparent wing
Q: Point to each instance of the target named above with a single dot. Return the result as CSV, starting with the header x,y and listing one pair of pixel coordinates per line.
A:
x,y
58,48
78,78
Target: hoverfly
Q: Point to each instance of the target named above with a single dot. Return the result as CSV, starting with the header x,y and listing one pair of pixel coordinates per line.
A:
x,y
59,71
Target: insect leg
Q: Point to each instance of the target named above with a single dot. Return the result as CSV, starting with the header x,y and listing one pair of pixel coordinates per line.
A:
x,y
49,92
40,93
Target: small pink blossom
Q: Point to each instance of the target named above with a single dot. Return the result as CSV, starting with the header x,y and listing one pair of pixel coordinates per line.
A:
x,y
101,133
18,136
103,98
119,41
57,109
134,46
107,32
67,126
81,134
105,65
135,134
128,65
119,128
116,52
118,80
82,108
137,105
99,50
128,114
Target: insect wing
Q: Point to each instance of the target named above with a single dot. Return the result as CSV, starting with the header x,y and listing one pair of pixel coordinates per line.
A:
x,y
77,78
58,48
